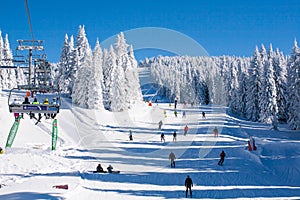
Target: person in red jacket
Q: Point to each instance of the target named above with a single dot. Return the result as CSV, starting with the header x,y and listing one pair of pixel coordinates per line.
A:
x,y
186,128
222,157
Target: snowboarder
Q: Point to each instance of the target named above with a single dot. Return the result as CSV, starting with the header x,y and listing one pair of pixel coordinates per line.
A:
x,y
222,157
216,132
160,123
188,185
110,170
186,128
174,136
172,157
176,100
130,135
184,114
99,169
253,144
203,115
175,113
162,137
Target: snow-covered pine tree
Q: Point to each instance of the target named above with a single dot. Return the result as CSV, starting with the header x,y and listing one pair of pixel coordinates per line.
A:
x,y
118,100
7,53
62,79
242,90
133,76
268,106
293,91
108,70
95,99
85,59
254,87
280,74
81,86
234,88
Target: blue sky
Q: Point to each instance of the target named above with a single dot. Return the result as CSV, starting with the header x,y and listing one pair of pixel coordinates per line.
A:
x,y
221,27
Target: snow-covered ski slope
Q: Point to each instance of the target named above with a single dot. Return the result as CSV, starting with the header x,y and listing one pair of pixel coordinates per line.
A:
x,y
29,169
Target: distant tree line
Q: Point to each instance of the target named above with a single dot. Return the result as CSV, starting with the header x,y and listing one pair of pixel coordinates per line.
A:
x,y
264,88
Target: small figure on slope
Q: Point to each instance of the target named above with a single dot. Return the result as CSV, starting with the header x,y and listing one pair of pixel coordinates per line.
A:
x,y
188,185
162,137
203,115
175,113
165,113
175,101
99,169
160,123
184,114
216,132
253,144
249,145
222,157
174,136
172,158
130,135
186,128
110,170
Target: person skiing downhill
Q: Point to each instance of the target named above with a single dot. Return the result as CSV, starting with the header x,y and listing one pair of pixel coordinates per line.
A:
x,y
130,135
184,114
174,136
172,158
160,123
216,132
162,137
175,113
186,128
222,157
188,185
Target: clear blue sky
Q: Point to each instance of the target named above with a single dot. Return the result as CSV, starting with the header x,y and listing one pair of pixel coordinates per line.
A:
x,y
221,27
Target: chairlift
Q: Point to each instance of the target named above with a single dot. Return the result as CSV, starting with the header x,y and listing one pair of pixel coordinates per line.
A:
x,y
17,104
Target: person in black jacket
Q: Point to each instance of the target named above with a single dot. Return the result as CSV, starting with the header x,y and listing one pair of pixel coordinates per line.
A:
x,y
188,184
222,157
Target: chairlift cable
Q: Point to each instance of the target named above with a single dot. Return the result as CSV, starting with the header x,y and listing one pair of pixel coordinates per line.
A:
x,y
29,19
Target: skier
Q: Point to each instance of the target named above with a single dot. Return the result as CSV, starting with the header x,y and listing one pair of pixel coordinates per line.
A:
x,y
222,157
156,101
162,137
130,135
174,136
172,157
203,115
175,113
216,132
176,100
186,128
165,113
188,185
160,123
1,151
184,114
